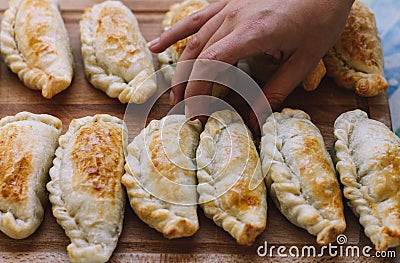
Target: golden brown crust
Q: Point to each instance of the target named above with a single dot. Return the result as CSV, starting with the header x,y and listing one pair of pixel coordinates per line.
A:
x,y
229,166
86,193
94,172
368,162
15,163
356,61
111,31
27,146
300,175
116,58
35,45
313,79
160,175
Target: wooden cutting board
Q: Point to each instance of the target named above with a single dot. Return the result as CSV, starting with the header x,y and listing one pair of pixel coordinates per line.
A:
x,y
138,242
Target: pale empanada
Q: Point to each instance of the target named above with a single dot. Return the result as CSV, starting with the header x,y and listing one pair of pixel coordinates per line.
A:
x,y
171,55
27,145
368,161
85,188
115,56
161,175
356,62
300,175
35,45
228,163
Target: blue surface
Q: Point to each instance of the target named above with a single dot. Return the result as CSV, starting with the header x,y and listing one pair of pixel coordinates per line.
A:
x,y
387,14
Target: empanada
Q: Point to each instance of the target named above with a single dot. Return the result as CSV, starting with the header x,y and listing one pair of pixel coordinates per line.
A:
x,y
161,175
300,175
228,163
27,145
86,193
115,56
35,45
368,161
356,62
172,54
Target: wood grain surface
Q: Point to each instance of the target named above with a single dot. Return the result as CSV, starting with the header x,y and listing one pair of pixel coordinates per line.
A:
x,y
138,242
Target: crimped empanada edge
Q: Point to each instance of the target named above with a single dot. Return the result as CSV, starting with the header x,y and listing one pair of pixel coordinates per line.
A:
x,y
15,227
173,226
273,162
346,167
114,86
26,116
363,83
60,212
245,233
346,75
15,61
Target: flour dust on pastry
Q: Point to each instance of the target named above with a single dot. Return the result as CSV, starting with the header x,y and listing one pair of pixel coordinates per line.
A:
x,y
161,175
35,45
300,175
368,162
27,145
115,56
171,55
86,193
227,162
356,61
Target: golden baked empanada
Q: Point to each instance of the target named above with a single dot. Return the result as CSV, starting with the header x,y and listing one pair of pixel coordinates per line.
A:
x,y
115,56
300,175
27,145
86,193
35,45
161,175
228,163
172,54
368,161
356,62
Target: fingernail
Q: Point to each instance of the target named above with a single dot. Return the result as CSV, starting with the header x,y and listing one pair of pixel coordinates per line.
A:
x,y
153,42
171,98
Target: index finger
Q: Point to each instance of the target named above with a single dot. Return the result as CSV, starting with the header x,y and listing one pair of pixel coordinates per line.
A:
x,y
186,27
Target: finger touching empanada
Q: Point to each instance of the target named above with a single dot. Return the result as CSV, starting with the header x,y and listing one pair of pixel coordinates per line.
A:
x,y
171,55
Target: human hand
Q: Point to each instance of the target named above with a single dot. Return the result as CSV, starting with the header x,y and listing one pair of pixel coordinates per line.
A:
x,y
295,32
